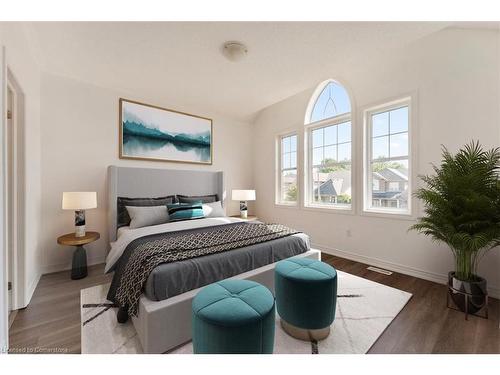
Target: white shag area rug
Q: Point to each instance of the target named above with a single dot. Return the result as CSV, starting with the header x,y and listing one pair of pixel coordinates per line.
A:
x,y
364,310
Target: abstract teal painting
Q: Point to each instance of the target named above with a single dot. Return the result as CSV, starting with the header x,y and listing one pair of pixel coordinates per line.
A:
x,y
153,133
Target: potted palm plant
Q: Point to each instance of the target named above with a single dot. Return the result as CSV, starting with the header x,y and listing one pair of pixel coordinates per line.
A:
x,y
462,210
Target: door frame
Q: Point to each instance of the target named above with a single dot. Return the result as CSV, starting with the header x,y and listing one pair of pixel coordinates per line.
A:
x,y
4,316
18,266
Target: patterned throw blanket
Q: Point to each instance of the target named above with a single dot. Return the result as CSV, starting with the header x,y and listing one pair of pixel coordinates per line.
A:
x,y
151,254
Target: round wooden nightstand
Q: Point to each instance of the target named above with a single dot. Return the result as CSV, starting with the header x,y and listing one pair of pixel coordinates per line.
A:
x,y
79,266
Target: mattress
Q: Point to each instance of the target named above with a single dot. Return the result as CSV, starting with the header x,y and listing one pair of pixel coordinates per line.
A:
x,y
171,279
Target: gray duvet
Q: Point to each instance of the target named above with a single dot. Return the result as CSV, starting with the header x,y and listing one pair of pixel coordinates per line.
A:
x,y
171,279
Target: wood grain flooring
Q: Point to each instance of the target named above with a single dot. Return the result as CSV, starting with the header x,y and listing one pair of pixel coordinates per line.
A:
x,y
51,323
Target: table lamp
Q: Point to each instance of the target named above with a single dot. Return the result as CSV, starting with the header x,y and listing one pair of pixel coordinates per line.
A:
x,y
79,201
243,196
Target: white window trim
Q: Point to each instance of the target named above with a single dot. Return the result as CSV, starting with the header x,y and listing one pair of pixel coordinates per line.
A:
x,y
277,188
308,128
409,100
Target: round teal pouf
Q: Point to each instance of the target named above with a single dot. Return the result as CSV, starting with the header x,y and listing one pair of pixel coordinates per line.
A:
x,y
233,317
306,297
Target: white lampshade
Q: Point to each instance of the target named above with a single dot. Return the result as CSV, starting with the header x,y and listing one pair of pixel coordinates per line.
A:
x,y
243,195
79,200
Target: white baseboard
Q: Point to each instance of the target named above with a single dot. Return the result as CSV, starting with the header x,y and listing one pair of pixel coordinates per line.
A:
x,y
51,268
31,289
493,290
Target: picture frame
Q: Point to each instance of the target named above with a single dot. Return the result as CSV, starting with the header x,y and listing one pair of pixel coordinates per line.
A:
x,y
149,132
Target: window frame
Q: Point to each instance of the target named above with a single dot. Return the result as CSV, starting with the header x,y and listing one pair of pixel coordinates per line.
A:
x,y
278,170
402,101
308,152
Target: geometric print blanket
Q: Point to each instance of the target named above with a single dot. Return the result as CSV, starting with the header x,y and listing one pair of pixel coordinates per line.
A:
x,y
150,254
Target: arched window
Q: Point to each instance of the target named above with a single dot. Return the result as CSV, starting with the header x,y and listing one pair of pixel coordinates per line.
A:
x,y
332,101
329,148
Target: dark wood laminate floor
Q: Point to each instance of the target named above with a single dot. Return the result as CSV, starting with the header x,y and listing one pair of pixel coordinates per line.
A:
x,y
425,325
51,322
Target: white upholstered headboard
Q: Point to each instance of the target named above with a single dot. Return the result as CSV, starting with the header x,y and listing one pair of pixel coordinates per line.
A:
x,y
153,182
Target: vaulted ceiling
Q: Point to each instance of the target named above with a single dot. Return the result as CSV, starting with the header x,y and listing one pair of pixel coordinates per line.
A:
x,y
181,63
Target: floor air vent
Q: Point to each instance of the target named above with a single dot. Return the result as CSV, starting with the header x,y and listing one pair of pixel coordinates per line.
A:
x,y
379,270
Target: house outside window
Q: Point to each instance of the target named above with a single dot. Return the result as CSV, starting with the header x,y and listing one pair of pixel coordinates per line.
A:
x,y
387,165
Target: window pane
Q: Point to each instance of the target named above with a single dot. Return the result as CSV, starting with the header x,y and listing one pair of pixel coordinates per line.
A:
x,y
330,135
293,143
380,147
332,101
317,155
285,145
293,160
318,178
332,188
400,165
344,150
289,186
399,145
399,120
344,132
287,192
317,137
390,185
285,160
330,153
380,124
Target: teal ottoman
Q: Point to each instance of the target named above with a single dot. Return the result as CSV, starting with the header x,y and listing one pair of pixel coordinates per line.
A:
x,y
233,316
306,297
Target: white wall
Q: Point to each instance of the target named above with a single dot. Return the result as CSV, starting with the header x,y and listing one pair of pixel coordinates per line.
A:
x,y
455,76
24,68
79,142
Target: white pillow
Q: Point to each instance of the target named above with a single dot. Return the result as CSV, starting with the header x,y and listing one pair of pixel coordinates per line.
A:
x,y
213,209
146,216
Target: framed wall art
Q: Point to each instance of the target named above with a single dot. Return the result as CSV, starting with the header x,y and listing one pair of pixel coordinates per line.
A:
x,y
149,132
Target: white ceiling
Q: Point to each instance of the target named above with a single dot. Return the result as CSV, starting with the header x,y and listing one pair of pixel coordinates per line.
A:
x,y
180,64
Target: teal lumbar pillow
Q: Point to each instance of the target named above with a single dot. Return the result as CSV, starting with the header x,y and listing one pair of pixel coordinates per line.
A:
x,y
185,211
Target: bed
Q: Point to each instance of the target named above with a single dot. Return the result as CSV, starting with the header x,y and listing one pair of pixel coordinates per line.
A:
x,y
163,319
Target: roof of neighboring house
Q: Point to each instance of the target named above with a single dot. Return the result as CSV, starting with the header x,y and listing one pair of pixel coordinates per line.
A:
x,y
326,188
392,175
386,194
402,195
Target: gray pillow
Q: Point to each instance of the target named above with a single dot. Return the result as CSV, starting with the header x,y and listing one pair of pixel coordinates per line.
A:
x,y
147,216
123,218
196,198
213,209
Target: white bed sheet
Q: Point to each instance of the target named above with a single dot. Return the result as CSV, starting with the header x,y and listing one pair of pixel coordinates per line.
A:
x,y
125,235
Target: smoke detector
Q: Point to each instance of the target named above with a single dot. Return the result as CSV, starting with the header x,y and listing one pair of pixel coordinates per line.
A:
x,y
234,51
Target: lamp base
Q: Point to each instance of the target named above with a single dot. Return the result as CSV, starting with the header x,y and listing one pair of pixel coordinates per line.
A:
x,y
243,209
80,223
